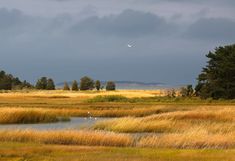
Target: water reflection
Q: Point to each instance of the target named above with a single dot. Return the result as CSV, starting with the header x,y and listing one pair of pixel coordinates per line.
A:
x,y
74,123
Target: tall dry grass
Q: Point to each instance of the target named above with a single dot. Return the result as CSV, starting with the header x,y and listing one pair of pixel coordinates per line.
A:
x,y
133,125
20,115
67,137
222,121
80,94
193,138
181,129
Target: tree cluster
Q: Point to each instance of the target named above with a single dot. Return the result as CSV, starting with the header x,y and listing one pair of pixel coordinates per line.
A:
x,y
45,83
217,79
9,82
87,83
110,86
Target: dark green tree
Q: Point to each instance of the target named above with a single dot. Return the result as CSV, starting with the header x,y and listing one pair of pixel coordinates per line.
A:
x,y
97,85
5,82
217,79
110,86
27,85
74,86
66,87
50,84
9,82
86,83
41,83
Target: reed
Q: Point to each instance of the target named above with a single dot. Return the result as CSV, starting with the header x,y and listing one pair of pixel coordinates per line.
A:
x,y
221,121
25,116
194,138
67,137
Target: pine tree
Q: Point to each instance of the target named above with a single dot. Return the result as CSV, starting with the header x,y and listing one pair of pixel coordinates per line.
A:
x,y
217,79
97,85
41,83
50,84
75,86
66,87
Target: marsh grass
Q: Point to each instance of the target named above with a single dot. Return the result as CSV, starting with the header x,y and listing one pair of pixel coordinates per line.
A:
x,y
13,114
134,125
168,122
181,129
67,137
27,116
40,152
180,121
156,99
193,138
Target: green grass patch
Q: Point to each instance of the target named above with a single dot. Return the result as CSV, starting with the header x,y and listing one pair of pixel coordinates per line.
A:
x,y
159,100
111,98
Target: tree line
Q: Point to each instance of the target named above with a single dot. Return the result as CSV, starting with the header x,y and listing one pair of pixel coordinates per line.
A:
x,y
87,83
9,82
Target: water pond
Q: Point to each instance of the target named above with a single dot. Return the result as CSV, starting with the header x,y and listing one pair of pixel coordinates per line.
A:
x,y
74,123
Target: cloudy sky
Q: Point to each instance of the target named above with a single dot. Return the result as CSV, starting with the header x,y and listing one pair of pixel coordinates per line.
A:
x,y
67,39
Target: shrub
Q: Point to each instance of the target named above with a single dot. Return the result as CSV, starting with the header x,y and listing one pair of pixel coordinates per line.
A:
x,y
75,86
66,87
110,86
86,83
111,98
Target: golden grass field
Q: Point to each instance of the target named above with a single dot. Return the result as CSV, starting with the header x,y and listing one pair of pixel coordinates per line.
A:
x,y
42,152
83,94
143,123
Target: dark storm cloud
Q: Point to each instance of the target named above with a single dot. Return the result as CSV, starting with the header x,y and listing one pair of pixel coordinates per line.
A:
x,y
212,29
226,2
63,41
128,23
11,18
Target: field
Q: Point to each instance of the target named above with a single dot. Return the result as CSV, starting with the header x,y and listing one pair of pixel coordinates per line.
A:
x,y
145,125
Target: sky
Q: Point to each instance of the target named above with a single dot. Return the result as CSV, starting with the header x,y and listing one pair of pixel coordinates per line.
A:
x,y
68,39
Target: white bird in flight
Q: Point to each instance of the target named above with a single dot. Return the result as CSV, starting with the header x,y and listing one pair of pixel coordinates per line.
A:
x,y
129,46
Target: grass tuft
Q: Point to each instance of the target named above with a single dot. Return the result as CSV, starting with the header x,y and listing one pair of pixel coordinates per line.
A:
x,y
68,137
27,116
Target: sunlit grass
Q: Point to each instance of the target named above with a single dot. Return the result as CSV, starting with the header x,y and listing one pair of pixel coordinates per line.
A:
x,y
159,122
39,152
181,129
180,121
193,138
25,116
67,137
